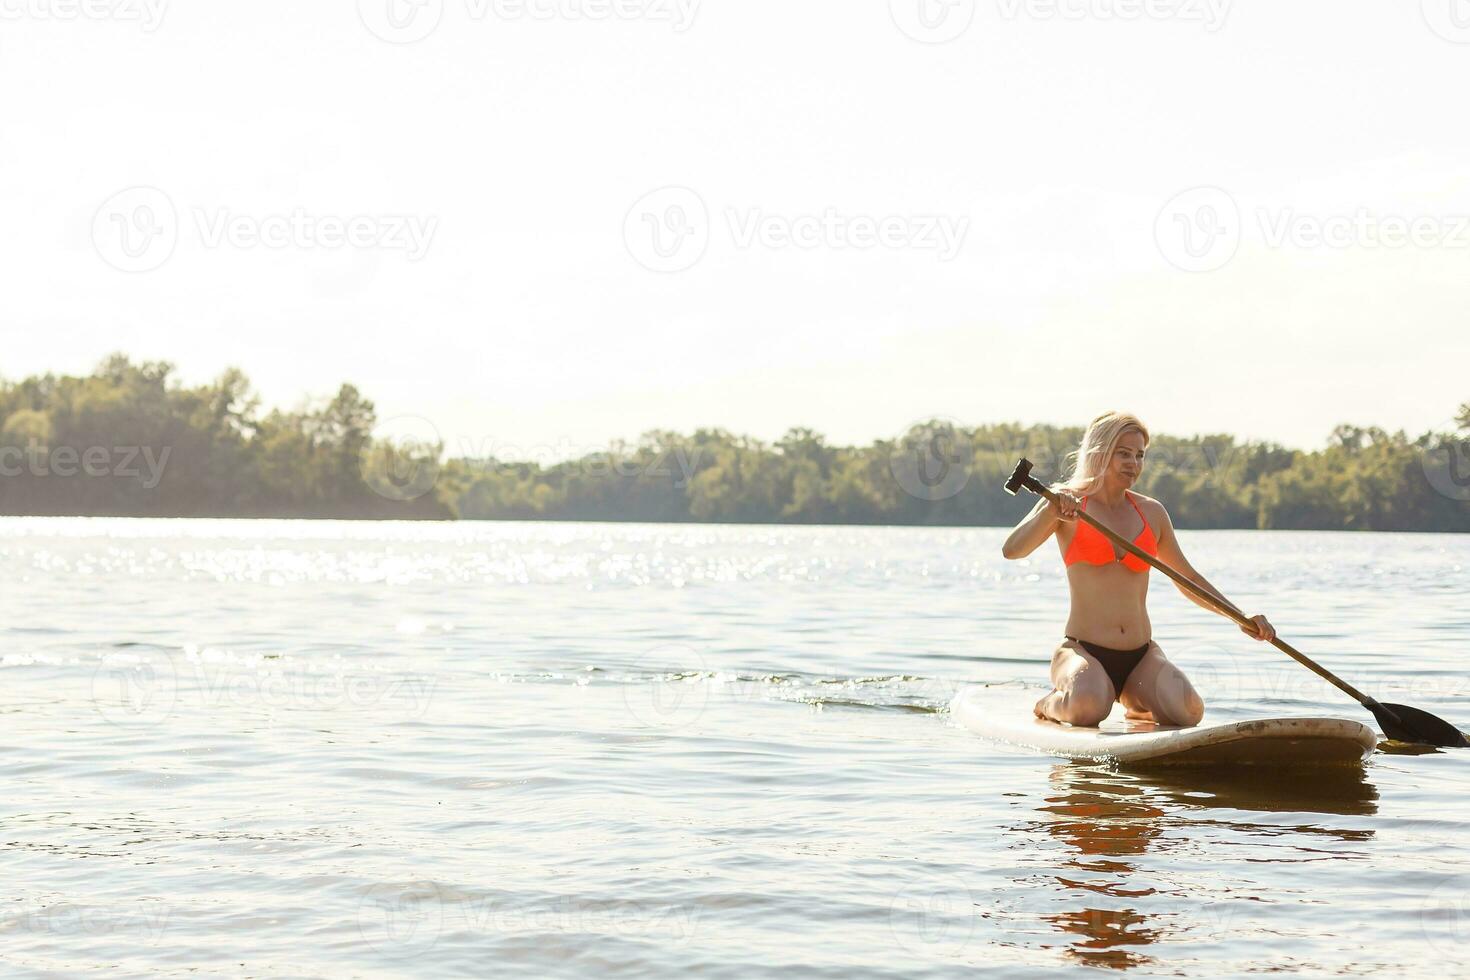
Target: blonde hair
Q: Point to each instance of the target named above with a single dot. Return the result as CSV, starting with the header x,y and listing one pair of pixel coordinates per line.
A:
x,y
1090,461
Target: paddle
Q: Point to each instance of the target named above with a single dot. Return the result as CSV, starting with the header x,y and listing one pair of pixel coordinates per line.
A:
x,y
1398,721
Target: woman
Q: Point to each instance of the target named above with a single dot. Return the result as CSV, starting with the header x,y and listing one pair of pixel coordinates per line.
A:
x,y
1109,654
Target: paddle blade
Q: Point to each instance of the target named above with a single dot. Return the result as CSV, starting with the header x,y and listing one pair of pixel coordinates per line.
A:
x,y
1414,725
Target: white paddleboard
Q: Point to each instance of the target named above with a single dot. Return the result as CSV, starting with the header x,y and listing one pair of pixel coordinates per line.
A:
x,y
1001,715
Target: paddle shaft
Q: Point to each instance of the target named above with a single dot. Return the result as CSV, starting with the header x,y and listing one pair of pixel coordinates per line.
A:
x,y
1035,486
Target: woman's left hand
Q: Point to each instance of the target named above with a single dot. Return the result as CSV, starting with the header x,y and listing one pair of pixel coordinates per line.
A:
x,y
1264,631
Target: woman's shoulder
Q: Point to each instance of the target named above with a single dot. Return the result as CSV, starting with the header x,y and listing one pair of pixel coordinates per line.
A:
x,y
1153,508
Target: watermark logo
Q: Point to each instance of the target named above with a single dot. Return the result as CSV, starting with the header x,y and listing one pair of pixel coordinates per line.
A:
x,y
937,916
401,460
136,229
392,916
667,230
135,689
1206,672
1446,463
1444,917
933,460
400,21
148,14
932,21
1450,19
675,691
1199,230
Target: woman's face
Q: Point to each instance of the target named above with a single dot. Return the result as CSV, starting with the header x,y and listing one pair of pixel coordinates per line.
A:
x,y
1127,462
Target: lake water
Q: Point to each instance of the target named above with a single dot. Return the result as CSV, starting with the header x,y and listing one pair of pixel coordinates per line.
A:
x,y
318,748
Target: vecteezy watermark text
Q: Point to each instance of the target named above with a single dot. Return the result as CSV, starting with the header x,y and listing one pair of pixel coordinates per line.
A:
x,y
408,233
1363,229
145,689
833,230
1201,229
138,229
146,13
407,21
406,918
144,918
678,13
94,461
678,464
941,21
669,230
402,461
1209,13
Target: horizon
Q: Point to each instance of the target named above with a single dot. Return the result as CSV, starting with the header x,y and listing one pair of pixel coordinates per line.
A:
x,y
400,428
580,257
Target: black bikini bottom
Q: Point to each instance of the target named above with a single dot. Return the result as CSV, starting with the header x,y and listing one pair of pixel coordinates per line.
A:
x,y
1118,663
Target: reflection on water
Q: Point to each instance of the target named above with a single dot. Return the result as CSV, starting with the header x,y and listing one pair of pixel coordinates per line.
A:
x,y
1330,789
1109,820
1390,747
382,750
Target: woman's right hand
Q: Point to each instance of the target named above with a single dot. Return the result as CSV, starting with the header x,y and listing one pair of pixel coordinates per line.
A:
x,y
1066,506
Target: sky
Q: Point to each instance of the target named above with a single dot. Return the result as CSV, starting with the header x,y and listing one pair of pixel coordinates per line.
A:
x,y
536,226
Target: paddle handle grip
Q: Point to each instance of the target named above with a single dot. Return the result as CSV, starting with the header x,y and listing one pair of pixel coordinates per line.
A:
x,y
1037,487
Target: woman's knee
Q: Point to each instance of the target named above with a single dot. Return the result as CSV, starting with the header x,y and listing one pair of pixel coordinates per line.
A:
x,y
1192,709
1084,695
1182,705
1161,689
1085,707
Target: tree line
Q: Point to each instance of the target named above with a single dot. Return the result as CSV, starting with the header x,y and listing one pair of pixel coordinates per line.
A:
x,y
132,440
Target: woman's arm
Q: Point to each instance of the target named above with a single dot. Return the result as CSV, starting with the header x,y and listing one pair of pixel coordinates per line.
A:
x,y
1172,555
1039,525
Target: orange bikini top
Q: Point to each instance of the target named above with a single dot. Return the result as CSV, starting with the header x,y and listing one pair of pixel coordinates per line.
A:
x,y
1089,545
